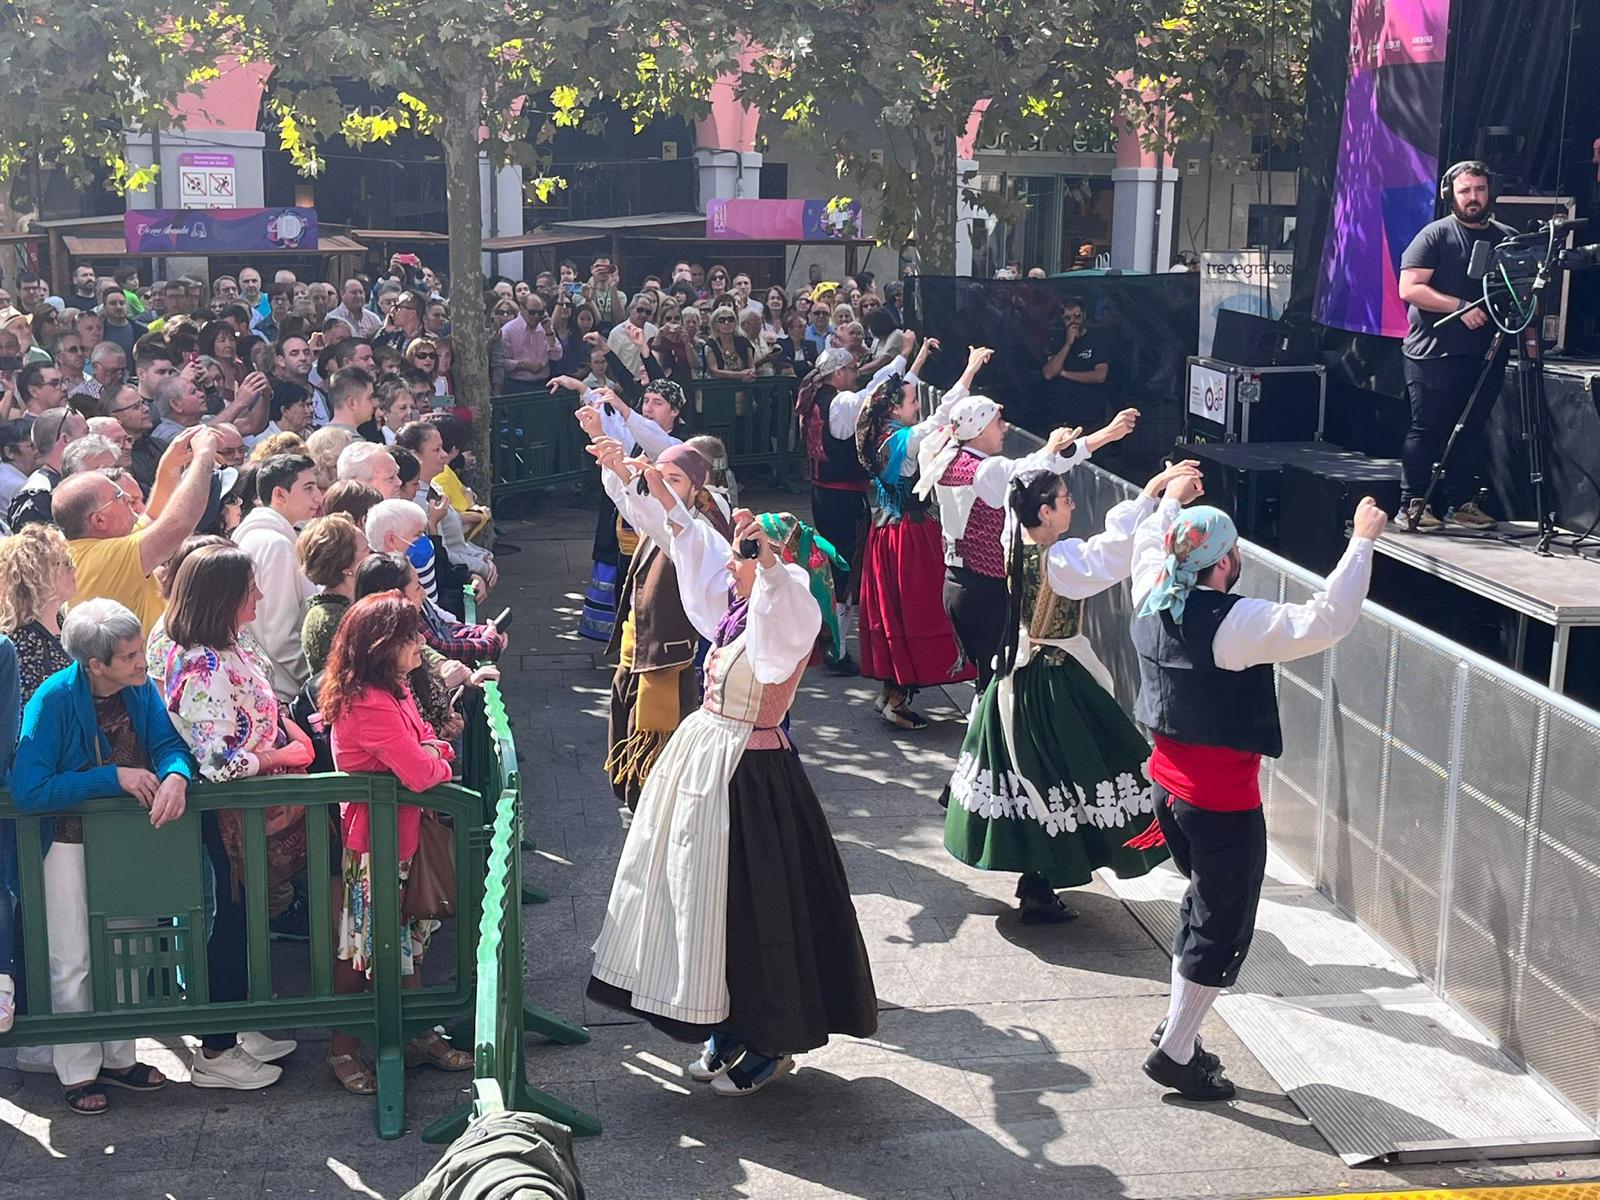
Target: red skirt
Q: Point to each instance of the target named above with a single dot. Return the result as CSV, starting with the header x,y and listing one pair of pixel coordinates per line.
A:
x,y
905,635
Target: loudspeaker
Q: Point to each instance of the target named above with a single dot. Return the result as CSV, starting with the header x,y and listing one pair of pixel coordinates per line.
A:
x,y
1244,339
1318,497
1245,480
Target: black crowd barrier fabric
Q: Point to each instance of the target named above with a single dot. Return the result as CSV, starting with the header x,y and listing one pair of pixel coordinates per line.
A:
x,y
1142,326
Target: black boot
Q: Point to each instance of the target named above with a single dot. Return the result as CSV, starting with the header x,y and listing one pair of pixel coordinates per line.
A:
x,y
1206,1059
1191,1080
1038,903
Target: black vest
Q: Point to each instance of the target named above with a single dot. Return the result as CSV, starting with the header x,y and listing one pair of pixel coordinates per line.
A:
x,y
842,464
1185,696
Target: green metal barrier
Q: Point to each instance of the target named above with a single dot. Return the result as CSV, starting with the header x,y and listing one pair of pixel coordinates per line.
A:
x,y
538,444
145,895
502,1018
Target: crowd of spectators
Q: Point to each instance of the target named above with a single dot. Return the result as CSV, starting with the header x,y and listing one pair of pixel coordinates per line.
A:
x,y
235,533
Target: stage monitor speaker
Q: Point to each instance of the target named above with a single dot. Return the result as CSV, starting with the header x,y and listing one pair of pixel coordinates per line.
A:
x,y
1246,481
1318,497
1250,340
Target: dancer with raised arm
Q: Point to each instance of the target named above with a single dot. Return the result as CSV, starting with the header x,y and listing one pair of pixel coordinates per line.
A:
x,y
655,684
1207,695
962,465
906,639
1051,778
730,919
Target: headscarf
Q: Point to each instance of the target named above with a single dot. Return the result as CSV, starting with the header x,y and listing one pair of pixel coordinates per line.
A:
x,y
968,418
668,391
797,542
810,413
688,460
1199,539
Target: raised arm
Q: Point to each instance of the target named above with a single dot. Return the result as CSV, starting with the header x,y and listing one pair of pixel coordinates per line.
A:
x,y
1259,631
1080,568
784,617
1176,488
1063,451
700,555
180,515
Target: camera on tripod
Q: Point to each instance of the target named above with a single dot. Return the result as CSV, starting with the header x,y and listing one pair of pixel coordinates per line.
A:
x,y
1515,270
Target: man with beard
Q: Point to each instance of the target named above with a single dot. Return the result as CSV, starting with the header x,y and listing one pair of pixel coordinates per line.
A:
x,y
1443,361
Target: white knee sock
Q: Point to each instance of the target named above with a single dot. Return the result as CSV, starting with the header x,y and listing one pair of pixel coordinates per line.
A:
x,y
1190,1003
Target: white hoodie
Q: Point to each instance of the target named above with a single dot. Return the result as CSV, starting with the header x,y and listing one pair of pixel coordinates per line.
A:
x,y
268,538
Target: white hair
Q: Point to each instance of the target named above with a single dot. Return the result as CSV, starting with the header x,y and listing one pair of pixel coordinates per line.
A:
x,y
95,628
356,459
106,427
400,517
76,456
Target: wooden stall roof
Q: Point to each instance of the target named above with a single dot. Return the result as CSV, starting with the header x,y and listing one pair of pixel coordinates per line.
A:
x,y
115,247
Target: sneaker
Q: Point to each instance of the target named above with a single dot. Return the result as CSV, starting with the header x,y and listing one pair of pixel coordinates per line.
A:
x,y
1413,508
1206,1059
843,665
233,1069
1192,1080
293,924
266,1049
752,1073
718,1057
1470,516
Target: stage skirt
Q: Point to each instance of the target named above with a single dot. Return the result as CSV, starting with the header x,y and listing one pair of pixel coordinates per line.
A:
x,y
904,633
1074,792
791,968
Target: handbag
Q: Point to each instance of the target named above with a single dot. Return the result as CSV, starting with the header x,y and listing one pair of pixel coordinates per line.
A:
x,y
430,891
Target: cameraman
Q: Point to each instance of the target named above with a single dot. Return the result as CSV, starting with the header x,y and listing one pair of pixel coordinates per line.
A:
x,y
1443,362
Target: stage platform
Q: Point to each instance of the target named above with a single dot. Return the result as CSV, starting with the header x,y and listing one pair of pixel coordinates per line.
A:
x,y
1561,591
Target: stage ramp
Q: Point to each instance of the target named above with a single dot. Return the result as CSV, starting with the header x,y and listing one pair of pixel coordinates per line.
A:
x,y
1385,1069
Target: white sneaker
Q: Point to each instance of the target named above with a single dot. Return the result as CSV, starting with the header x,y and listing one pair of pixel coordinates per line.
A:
x,y
234,1069
266,1049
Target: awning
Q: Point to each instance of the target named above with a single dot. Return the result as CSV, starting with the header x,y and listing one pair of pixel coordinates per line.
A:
x,y
610,225
115,247
399,235
532,241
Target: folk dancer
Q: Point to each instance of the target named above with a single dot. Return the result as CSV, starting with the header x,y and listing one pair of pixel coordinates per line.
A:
x,y
1051,777
1206,694
730,919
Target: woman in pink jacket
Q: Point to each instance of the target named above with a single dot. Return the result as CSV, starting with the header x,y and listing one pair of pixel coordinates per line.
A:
x,y
376,728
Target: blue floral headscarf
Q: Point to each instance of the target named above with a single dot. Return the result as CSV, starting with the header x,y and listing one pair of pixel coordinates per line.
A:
x,y
1199,539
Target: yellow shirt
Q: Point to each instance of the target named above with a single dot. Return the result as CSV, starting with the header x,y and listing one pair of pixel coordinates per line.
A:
x,y
110,568
448,482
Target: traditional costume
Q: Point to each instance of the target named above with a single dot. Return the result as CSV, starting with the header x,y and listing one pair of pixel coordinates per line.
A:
x,y
1206,693
730,917
655,684
905,637
614,539
1050,782
971,490
839,483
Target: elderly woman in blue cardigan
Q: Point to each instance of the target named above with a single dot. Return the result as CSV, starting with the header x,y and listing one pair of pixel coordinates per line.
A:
x,y
95,729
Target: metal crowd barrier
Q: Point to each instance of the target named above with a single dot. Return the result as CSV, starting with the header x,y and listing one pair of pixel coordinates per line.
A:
x,y
538,445
1445,802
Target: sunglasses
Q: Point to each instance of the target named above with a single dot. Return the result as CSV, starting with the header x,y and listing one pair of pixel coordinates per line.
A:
x,y
424,354
724,320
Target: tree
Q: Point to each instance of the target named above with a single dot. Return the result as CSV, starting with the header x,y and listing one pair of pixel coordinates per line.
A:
x,y
482,76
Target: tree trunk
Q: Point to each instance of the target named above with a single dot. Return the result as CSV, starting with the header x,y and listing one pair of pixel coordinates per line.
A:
x,y
936,199
463,205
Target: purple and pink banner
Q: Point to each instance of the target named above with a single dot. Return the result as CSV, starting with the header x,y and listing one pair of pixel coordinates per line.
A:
x,y
782,220
1387,179
219,230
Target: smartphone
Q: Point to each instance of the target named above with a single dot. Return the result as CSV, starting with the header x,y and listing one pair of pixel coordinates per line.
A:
x,y
10,362
749,548
573,289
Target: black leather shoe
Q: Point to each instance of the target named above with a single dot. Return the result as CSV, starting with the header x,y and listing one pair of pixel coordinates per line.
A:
x,y
1190,1079
1201,1055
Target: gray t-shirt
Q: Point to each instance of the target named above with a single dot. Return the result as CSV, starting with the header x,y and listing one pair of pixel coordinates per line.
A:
x,y
1445,247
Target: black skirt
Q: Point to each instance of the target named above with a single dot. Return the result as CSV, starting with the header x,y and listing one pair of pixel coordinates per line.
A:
x,y
797,967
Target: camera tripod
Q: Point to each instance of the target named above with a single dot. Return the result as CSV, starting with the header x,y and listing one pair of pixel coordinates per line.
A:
x,y
1530,386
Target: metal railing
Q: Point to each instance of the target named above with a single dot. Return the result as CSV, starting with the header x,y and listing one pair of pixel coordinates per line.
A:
x,y
538,445
1445,802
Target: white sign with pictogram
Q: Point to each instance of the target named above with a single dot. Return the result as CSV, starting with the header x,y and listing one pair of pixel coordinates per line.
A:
x,y
207,181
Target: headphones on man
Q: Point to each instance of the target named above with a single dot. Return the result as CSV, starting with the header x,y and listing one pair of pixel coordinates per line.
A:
x,y
1469,166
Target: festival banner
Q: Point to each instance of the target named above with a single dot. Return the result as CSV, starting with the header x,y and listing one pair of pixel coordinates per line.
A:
x,y
782,220
1386,183
219,231
1252,281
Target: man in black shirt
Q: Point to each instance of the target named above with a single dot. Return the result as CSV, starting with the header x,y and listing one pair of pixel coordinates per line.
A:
x,y
1443,362
1081,369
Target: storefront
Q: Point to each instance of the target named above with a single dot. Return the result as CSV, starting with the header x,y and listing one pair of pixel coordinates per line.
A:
x,y
1049,202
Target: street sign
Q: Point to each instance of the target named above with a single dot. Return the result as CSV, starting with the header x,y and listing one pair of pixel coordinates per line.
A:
x,y
207,180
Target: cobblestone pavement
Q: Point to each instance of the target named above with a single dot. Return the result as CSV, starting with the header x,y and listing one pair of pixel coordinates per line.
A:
x,y
1006,1063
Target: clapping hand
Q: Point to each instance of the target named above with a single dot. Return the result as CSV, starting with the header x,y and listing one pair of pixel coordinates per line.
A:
x,y
1061,439
1180,481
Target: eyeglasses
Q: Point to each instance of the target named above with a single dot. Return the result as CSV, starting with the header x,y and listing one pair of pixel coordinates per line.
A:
x,y
724,320
420,354
140,402
121,497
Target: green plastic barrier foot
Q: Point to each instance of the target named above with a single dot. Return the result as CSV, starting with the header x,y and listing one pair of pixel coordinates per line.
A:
x,y
448,1128
533,895
391,1093
531,1099
547,1024
529,845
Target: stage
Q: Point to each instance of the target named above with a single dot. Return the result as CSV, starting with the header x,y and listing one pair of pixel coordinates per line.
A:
x,y
1561,591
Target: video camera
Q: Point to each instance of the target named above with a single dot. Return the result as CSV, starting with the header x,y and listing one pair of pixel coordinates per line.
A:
x,y
1513,271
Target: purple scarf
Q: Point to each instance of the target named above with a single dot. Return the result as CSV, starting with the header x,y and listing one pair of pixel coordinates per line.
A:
x,y
733,621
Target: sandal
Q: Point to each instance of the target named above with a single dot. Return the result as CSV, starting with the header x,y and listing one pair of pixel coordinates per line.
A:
x,y
353,1074
431,1050
902,716
77,1097
141,1077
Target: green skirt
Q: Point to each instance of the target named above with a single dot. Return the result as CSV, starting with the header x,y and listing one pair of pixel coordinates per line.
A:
x,y
1086,762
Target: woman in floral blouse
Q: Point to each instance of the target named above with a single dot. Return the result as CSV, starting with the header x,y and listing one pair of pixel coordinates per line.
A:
x,y
218,692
